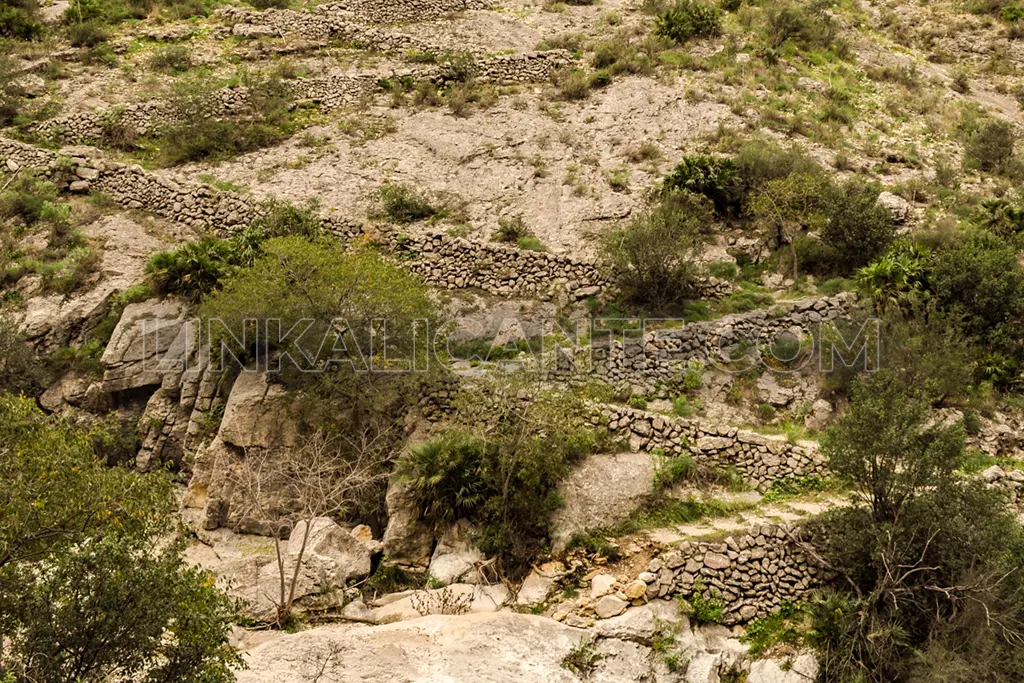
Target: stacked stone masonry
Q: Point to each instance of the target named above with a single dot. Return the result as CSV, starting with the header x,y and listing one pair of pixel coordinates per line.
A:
x,y
759,459
397,11
444,261
660,355
751,574
328,92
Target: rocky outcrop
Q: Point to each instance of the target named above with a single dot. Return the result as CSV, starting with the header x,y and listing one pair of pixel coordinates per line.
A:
x,y
455,559
600,493
257,414
758,458
407,539
151,340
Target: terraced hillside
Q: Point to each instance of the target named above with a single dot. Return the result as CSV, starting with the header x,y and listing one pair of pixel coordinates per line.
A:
x,y
605,340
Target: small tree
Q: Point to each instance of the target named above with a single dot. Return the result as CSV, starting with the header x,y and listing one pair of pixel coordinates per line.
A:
x,y
93,585
787,206
930,560
858,228
324,477
655,259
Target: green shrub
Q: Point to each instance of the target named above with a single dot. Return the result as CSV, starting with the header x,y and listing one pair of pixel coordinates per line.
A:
x,y
858,228
315,284
530,243
171,59
20,372
655,259
19,19
689,19
572,84
780,628
926,555
807,27
193,270
270,4
406,204
511,230
267,118
990,147
503,479
714,177
281,218
672,471
27,198
705,604
114,564
87,33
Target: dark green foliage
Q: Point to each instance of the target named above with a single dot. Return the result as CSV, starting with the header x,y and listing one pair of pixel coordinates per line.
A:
x,y
928,558
91,588
714,177
406,204
116,11
672,471
776,629
990,146
654,259
689,19
512,230
805,26
504,479
281,219
19,19
87,33
270,4
297,280
1000,216
27,198
858,228
11,90
201,131
193,270
171,59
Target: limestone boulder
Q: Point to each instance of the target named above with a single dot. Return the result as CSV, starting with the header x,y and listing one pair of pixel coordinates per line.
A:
x,y
258,414
407,538
601,492
800,669
334,552
455,559
482,648
151,340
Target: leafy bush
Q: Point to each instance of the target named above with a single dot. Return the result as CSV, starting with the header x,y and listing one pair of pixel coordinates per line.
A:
x,y
512,229
858,228
20,370
807,27
926,555
655,259
27,198
19,19
90,555
201,132
171,59
87,33
898,279
705,604
193,270
990,147
318,284
671,471
406,204
280,218
689,19
572,84
503,479
715,178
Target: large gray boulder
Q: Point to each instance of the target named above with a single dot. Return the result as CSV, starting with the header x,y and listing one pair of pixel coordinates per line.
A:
x,y
455,559
333,550
257,414
151,340
601,492
408,540
474,648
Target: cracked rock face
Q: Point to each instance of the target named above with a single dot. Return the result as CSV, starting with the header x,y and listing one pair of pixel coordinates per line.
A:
x,y
150,341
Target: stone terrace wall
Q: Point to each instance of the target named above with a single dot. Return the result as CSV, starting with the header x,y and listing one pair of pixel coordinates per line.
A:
x,y
751,574
329,92
759,459
443,261
659,354
454,263
396,11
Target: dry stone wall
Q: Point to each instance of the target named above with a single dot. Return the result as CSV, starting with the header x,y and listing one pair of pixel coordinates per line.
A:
x,y
397,11
751,574
443,261
659,355
759,459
